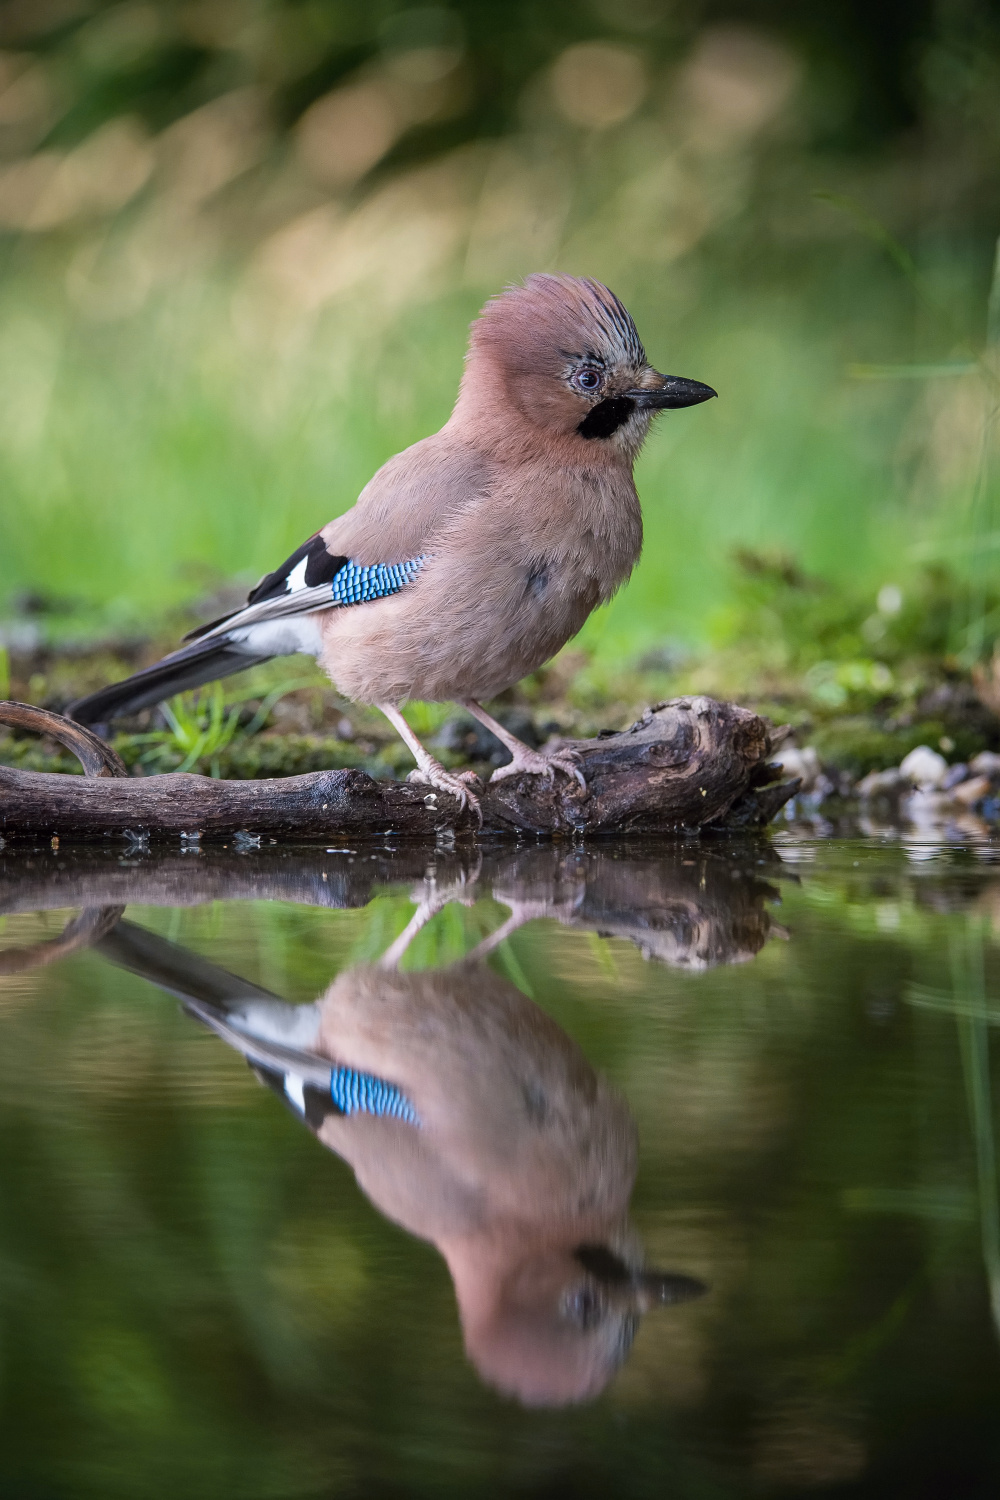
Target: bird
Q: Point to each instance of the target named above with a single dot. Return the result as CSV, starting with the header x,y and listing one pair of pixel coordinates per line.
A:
x,y
472,1120
473,556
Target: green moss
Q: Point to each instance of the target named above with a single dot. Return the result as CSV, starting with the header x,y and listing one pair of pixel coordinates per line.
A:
x,y
36,755
858,745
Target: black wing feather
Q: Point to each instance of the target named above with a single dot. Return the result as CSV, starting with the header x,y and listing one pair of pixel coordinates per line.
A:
x,y
321,567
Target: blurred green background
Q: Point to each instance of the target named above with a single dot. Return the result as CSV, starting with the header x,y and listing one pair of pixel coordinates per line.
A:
x,y
242,241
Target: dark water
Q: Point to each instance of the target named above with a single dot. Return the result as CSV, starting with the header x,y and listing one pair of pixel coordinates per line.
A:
x,y
662,1172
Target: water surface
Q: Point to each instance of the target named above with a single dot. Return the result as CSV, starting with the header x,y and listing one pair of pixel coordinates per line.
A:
x,y
550,1171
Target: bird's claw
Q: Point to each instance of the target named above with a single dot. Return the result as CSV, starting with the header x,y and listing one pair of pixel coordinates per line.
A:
x,y
457,784
534,763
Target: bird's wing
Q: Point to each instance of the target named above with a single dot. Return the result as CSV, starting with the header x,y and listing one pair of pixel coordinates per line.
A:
x,y
404,506
238,1011
312,579
274,622
377,546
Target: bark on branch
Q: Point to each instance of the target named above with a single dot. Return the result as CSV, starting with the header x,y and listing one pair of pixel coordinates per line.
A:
x,y
687,764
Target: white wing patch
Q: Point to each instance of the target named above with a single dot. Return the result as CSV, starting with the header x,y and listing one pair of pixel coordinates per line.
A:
x,y
297,577
279,637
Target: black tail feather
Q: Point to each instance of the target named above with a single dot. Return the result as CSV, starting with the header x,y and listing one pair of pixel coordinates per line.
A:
x,y
175,969
191,667
208,993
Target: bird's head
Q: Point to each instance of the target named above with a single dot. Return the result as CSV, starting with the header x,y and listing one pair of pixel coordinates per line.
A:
x,y
562,1320
565,354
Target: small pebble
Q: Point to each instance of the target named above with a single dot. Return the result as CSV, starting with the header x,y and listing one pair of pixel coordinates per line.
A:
x,y
880,784
986,763
802,763
972,791
925,768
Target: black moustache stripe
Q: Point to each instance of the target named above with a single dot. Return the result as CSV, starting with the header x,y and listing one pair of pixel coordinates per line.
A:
x,y
606,417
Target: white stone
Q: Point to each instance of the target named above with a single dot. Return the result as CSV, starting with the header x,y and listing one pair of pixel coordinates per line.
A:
x,y
880,784
795,762
924,767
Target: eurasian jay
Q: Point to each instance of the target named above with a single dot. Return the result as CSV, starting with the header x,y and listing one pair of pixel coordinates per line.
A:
x,y
473,556
474,1122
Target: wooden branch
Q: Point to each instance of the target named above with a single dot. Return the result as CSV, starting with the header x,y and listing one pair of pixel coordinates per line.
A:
x,y
687,764
94,754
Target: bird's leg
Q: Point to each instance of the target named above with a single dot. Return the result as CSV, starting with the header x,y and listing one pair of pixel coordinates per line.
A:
x,y
430,898
520,912
534,762
427,908
431,772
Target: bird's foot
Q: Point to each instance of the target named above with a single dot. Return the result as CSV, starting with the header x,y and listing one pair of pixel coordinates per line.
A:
x,y
462,786
540,763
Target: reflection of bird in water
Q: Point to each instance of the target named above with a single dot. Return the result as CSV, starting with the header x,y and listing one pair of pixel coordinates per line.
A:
x,y
689,911
471,1119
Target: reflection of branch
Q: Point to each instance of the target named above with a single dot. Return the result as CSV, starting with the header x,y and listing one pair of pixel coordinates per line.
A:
x,y
680,907
689,763
83,930
690,914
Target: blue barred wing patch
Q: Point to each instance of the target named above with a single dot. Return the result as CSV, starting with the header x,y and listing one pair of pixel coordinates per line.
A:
x,y
357,585
362,1093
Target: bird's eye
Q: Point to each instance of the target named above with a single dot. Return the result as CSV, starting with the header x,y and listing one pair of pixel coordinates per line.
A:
x,y
584,1306
588,379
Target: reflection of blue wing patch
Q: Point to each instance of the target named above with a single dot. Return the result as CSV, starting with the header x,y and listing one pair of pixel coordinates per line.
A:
x,y
363,1093
356,585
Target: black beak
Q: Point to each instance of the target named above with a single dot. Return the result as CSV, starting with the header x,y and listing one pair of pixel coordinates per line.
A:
x,y
675,391
608,415
645,1289
665,1288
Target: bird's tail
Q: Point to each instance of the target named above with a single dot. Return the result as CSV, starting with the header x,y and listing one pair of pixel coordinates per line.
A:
x,y
203,661
175,969
213,996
